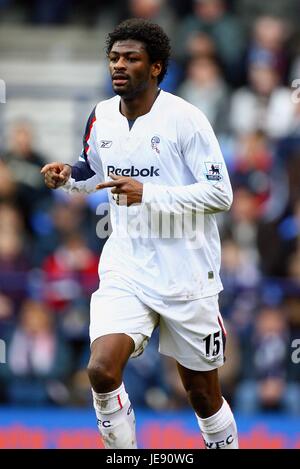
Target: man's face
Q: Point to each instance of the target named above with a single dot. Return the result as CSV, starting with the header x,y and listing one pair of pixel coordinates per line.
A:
x,y
130,68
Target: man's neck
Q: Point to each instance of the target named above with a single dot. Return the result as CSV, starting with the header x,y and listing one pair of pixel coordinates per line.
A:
x,y
140,105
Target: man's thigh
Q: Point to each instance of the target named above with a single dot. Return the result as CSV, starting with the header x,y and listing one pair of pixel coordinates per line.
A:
x,y
193,333
115,309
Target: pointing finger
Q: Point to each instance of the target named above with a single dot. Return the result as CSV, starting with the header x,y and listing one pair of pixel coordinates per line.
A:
x,y
46,168
51,166
117,181
105,185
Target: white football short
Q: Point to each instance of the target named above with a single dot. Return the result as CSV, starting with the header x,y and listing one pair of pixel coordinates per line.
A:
x,y
192,332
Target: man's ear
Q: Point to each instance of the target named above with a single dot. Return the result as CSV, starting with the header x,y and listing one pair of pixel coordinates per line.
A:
x,y
156,69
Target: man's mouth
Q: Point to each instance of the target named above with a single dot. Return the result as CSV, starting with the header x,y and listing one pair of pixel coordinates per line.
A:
x,y
119,80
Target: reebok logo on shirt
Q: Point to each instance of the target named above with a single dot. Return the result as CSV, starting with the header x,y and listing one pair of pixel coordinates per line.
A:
x,y
133,172
105,143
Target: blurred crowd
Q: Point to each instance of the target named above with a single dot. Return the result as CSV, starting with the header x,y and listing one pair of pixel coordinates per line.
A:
x,y
236,61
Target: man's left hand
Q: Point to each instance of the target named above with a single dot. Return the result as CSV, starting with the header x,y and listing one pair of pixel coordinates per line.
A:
x,y
125,190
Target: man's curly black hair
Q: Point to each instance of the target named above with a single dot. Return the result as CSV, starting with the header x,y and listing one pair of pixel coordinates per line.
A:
x,y
152,35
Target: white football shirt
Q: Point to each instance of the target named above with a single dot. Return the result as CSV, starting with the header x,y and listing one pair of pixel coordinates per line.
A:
x,y
169,244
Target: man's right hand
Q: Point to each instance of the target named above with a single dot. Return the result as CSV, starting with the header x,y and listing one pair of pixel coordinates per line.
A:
x,y
56,174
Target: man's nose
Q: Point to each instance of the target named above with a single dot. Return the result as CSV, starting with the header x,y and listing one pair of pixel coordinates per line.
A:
x,y
120,63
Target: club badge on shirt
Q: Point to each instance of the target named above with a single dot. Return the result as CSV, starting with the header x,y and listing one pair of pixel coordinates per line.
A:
x,y
213,171
155,141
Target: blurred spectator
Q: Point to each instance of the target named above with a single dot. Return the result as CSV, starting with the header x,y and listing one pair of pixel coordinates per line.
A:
x,y
201,45
249,10
24,165
38,360
238,268
74,324
211,18
157,11
67,215
264,105
292,308
267,385
289,228
252,164
6,308
14,261
294,267
290,155
241,279
7,184
269,40
278,244
243,225
205,88
70,273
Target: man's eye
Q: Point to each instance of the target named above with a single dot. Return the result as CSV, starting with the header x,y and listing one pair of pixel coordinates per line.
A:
x,y
133,59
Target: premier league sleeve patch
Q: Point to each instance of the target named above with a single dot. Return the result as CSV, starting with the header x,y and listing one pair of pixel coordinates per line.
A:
x,y
213,171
